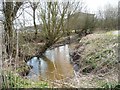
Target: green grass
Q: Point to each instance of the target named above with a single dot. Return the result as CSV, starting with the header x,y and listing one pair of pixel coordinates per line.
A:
x,y
116,86
12,80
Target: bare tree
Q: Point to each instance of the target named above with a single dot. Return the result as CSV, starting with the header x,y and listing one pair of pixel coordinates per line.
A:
x,y
111,17
53,17
107,18
34,6
9,10
100,19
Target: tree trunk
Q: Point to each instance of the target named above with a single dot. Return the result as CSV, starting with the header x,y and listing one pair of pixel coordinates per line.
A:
x,y
8,38
68,29
35,26
10,11
118,42
8,28
1,30
44,48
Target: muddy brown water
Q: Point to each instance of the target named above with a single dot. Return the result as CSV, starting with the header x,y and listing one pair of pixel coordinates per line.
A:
x,y
54,66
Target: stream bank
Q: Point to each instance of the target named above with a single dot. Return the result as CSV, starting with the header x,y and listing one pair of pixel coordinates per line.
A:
x,y
96,55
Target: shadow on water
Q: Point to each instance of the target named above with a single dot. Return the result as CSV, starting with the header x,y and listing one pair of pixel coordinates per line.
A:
x,y
54,65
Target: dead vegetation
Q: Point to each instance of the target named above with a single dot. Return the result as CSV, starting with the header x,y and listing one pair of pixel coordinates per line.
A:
x,y
96,56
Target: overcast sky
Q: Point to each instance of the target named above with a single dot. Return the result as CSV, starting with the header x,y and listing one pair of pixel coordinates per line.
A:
x,y
94,5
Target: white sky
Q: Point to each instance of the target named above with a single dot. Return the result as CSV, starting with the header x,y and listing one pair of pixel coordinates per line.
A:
x,y
94,5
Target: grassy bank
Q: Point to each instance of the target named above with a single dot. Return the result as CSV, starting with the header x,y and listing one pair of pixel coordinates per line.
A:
x,y
100,52
97,59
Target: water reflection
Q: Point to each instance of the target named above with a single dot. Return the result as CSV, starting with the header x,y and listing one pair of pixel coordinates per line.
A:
x,y
55,65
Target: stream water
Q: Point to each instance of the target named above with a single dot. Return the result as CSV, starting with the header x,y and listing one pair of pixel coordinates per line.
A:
x,y
54,66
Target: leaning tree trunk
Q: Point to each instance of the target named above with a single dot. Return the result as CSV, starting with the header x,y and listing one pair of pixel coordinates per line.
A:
x,y
44,48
